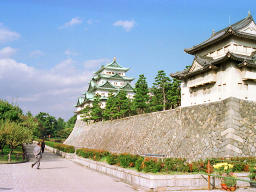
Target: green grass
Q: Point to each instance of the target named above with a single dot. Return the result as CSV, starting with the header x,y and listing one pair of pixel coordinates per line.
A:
x,y
15,157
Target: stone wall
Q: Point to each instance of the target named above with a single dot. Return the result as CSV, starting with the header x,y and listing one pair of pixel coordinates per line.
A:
x,y
219,129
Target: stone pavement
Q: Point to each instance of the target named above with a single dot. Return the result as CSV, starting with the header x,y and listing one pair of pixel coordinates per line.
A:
x,y
57,174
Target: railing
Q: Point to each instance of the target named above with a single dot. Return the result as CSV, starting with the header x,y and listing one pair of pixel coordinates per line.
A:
x,y
219,176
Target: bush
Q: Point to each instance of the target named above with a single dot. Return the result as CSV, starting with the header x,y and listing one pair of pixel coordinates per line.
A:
x,y
112,159
127,160
151,165
61,147
138,163
93,154
175,164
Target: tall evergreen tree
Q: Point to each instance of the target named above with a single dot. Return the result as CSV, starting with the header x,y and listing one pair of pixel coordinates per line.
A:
x,y
122,104
173,94
96,111
86,114
111,108
141,97
160,89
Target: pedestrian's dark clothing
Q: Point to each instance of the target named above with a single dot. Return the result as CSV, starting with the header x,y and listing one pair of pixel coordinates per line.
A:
x,y
42,146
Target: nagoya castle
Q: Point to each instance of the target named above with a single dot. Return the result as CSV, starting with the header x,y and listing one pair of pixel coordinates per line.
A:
x,y
109,78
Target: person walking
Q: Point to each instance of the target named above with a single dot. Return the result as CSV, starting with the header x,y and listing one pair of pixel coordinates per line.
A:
x,y
38,155
42,146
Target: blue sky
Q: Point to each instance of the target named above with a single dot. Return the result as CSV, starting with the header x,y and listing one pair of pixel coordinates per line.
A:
x,y
49,48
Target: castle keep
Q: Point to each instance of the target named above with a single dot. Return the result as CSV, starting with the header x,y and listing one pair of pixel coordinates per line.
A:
x,y
224,66
109,78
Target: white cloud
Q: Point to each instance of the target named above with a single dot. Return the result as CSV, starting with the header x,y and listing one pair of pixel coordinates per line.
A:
x,y
7,35
94,63
127,25
70,53
54,90
36,53
72,22
7,52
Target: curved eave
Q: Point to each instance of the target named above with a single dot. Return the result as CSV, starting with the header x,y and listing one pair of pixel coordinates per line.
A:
x,y
227,34
212,65
117,68
109,89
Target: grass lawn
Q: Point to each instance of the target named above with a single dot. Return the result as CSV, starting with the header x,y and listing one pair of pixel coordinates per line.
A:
x,y
15,157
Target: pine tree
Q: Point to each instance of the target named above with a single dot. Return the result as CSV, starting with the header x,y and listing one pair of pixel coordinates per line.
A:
x,y
122,104
86,114
96,111
141,97
160,88
173,94
111,108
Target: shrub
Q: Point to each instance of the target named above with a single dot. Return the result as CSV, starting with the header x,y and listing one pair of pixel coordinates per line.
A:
x,y
138,163
151,165
127,160
175,164
61,147
65,148
93,154
112,159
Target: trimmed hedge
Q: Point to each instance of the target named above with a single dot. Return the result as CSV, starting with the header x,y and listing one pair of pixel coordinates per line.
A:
x,y
61,147
154,165
96,155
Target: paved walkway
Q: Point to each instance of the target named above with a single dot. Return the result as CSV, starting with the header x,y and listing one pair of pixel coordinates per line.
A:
x,y
57,174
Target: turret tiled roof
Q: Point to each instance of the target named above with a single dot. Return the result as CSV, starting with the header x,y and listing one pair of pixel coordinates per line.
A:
x,y
232,30
209,64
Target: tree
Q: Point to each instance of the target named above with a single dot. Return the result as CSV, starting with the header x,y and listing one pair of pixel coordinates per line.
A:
x,y
96,111
111,108
122,104
31,123
3,135
141,97
47,124
9,112
173,94
16,134
160,89
86,113
71,122
60,124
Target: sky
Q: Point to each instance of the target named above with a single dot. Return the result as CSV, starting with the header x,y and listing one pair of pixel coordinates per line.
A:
x,y
49,49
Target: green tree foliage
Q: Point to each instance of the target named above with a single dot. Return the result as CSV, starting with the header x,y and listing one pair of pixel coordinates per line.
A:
x,y
111,108
141,97
86,114
15,134
173,94
122,104
31,123
47,124
9,112
71,122
96,113
160,88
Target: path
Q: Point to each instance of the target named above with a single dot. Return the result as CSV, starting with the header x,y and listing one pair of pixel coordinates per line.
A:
x,y
57,174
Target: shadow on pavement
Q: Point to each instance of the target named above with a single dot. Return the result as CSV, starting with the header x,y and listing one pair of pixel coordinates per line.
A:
x,y
55,168
5,188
